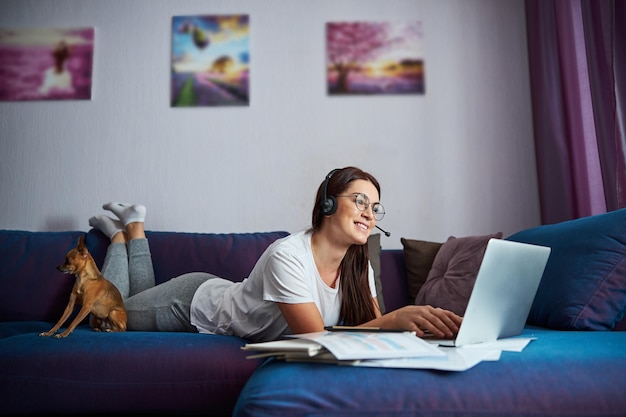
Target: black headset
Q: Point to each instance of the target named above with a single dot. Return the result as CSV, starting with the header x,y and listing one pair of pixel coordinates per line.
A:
x,y
329,202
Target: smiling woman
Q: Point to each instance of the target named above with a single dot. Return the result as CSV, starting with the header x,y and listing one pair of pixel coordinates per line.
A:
x,y
302,283
339,233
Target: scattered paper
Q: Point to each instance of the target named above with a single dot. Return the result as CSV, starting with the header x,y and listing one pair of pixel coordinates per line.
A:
x,y
373,345
384,350
455,359
509,344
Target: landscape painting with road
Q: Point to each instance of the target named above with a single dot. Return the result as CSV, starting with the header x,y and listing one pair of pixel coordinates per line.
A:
x,y
210,61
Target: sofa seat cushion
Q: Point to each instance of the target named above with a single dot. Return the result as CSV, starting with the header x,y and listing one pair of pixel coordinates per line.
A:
x,y
559,374
130,372
14,328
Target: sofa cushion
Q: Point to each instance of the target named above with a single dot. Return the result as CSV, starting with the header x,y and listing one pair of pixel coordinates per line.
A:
x,y
418,259
31,288
129,373
584,283
559,374
393,279
227,255
29,271
453,273
373,246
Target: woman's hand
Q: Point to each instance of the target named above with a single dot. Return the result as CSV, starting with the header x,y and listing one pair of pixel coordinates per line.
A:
x,y
420,319
441,323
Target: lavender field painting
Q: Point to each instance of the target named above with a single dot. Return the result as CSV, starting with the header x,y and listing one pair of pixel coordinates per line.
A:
x,y
46,63
374,58
210,61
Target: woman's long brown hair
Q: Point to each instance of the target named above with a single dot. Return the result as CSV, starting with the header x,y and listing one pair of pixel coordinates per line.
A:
x,y
356,302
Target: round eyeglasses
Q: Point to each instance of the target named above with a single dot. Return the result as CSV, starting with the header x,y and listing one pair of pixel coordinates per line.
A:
x,y
362,203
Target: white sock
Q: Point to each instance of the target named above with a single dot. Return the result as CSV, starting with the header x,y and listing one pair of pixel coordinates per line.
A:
x,y
110,227
127,213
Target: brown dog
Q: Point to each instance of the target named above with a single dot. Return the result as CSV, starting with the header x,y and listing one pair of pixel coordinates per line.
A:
x,y
94,293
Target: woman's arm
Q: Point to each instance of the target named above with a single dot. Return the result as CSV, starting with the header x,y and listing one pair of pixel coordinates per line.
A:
x,y
306,318
302,317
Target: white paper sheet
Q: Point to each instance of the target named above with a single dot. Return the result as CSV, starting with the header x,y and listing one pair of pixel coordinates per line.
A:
x,y
455,359
509,344
386,350
373,345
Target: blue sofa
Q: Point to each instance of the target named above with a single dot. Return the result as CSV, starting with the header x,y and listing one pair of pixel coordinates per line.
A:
x,y
575,367
115,373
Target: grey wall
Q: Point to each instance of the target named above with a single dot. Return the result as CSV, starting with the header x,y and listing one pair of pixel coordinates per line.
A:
x,y
458,160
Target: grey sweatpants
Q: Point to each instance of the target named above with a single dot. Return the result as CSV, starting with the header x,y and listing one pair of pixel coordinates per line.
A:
x,y
150,307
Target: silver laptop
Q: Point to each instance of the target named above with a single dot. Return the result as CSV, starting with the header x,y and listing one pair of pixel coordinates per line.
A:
x,y
503,293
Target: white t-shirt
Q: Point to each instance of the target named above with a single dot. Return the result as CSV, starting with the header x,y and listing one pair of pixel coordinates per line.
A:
x,y
285,273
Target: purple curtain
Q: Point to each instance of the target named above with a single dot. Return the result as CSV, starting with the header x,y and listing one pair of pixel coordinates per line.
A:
x,y
577,58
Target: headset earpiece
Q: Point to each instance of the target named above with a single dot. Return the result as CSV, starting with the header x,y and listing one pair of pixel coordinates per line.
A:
x,y
329,206
329,202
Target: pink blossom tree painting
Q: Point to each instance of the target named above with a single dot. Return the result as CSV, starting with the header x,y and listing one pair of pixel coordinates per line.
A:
x,y
374,58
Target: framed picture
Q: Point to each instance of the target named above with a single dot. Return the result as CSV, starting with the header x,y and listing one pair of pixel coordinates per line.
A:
x,y
210,61
46,63
374,58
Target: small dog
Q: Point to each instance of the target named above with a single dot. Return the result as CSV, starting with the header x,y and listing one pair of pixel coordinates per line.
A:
x,y
93,292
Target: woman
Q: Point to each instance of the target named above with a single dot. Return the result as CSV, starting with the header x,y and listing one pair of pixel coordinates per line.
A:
x,y
303,282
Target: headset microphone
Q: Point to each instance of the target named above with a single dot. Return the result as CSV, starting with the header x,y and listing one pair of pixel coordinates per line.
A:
x,y
386,233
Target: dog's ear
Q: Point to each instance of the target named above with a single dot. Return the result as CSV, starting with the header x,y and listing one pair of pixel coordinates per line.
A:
x,y
82,248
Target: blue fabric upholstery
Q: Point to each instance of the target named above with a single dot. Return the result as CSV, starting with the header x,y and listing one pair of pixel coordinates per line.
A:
x,y
584,283
29,261
30,286
133,372
126,373
559,374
